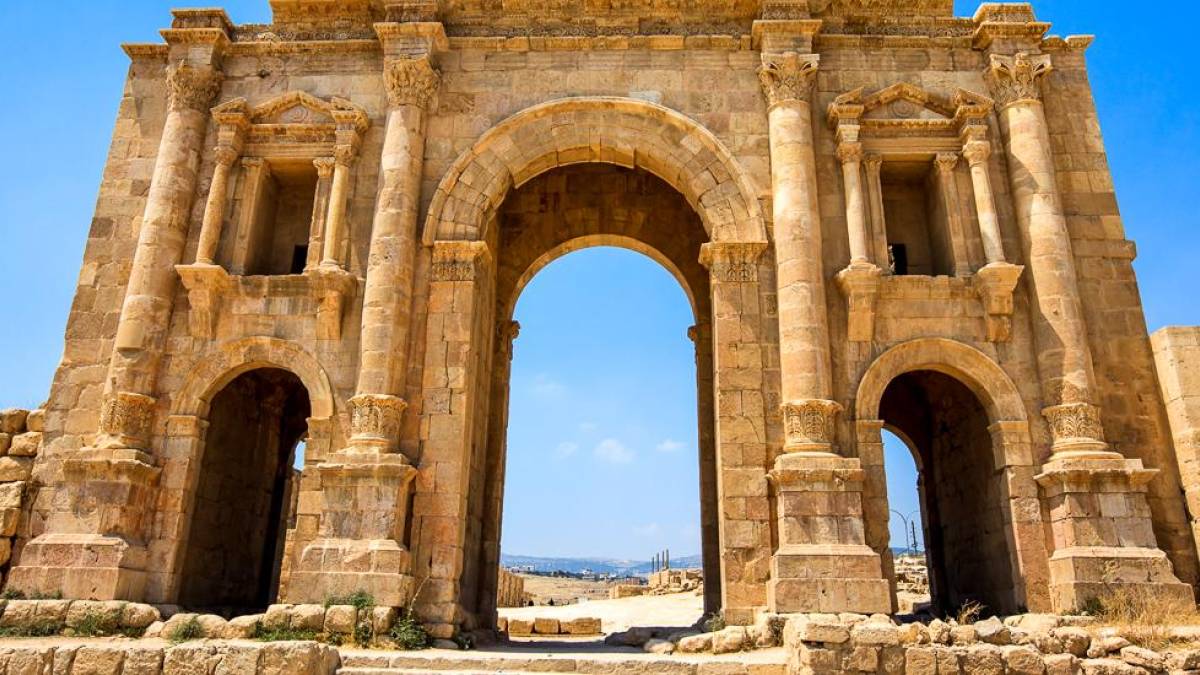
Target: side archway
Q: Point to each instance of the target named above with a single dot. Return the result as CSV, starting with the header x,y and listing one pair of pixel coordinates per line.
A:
x,y
936,368
256,367
609,130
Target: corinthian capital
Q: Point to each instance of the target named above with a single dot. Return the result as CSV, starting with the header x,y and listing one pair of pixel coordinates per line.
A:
x,y
192,88
1015,78
809,425
411,80
788,76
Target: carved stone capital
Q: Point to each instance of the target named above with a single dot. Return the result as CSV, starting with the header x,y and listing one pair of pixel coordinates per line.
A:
x,y
810,425
506,333
946,162
873,164
850,152
375,422
788,76
226,155
459,260
344,154
1076,429
126,420
732,262
192,88
1015,78
324,166
411,81
977,152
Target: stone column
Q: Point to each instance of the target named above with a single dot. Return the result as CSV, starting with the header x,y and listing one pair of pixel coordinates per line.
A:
x,y
316,232
387,303
95,547
977,154
1099,515
878,218
214,209
946,164
815,568
338,194
850,154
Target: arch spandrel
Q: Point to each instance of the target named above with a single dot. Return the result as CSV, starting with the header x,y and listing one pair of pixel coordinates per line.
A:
x,y
610,130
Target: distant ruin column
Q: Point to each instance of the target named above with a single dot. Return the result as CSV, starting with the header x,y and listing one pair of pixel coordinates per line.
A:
x,y
815,568
1097,547
95,546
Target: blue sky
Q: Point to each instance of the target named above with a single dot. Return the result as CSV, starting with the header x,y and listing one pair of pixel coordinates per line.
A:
x,y
602,445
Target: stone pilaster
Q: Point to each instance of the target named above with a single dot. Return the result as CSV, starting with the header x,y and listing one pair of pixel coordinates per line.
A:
x,y
461,308
946,165
742,507
316,233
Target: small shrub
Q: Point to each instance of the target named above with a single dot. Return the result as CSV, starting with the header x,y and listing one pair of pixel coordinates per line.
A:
x,y
18,594
186,631
13,594
264,634
464,642
360,600
364,633
408,633
715,623
97,624
968,613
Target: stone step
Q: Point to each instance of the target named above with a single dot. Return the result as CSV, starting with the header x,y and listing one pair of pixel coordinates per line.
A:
x,y
517,662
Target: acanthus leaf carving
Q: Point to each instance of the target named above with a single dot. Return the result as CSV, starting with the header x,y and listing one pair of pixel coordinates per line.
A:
x,y
191,87
810,425
788,76
375,421
411,81
125,421
1015,78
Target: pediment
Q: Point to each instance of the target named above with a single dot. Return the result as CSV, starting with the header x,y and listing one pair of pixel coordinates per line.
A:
x,y
295,107
909,105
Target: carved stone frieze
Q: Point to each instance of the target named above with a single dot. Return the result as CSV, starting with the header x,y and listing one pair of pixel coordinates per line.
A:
x,y
1015,78
458,260
125,421
810,426
192,88
732,262
411,81
788,76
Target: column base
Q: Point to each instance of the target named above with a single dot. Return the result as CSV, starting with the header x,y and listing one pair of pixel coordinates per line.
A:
x,y
102,554
81,567
823,563
1103,535
339,567
828,578
1082,574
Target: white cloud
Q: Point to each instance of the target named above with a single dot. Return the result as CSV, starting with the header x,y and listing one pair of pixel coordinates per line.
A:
x,y
669,445
566,449
614,451
547,387
647,530
588,427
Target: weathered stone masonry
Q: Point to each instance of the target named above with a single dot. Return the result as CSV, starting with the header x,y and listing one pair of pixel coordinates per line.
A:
x,y
884,217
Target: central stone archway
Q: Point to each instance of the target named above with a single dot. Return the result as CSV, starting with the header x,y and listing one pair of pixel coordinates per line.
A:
x,y
552,179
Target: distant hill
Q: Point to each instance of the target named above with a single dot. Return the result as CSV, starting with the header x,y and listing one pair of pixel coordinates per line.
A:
x,y
597,565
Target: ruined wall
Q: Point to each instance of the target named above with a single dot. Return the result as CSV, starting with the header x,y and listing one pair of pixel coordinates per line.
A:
x,y
20,442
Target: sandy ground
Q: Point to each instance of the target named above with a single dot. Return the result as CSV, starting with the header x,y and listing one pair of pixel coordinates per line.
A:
x,y
563,591
680,609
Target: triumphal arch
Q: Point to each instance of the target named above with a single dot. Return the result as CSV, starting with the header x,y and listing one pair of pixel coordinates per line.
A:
x,y
313,233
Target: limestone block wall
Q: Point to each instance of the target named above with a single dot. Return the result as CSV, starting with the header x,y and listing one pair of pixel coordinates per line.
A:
x,y
1177,355
20,442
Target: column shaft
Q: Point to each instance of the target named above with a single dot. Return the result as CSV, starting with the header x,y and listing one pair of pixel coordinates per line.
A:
x,y
334,223
214,210
316,232
874,166
851,154
977,154
946,163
